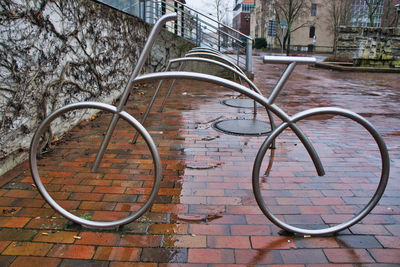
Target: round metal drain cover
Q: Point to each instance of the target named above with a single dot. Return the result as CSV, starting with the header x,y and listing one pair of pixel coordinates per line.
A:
x,y
243,127
240,103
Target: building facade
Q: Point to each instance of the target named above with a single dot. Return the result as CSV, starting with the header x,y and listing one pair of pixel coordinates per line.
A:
x,y
311,29
150,11
314,28
241,15
361,14
317,32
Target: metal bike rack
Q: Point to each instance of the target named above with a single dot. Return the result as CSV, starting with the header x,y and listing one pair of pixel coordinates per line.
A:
x,y
252,93
290,122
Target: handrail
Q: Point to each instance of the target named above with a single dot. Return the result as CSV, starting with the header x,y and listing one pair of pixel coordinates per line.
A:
x,y
207,23
232,29
198,27
288,60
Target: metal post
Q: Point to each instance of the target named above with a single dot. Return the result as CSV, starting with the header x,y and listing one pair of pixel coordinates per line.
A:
x,y
219,36
249,52
281,82
182,21
238,56
157,10
197,30
141,10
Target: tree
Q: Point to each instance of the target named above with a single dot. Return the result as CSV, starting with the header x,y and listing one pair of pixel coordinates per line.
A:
x,y
264,8
221,8
367,11
373,7
339,14
390,16
292,11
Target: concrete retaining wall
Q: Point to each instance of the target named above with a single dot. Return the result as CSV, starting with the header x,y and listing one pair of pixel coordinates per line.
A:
x,y
354,42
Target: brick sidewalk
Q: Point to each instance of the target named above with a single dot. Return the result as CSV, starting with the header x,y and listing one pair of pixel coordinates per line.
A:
x,y
205,212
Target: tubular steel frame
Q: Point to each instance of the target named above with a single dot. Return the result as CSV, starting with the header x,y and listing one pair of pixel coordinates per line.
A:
x,y
182,62
287,122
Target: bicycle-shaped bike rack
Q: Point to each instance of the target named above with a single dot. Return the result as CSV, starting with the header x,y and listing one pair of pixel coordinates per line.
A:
x,y
253,93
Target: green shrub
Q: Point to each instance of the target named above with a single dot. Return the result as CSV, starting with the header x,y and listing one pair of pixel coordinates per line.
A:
x,y
260,43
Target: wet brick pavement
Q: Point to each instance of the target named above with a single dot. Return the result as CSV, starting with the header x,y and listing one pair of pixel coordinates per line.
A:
x,y
205,213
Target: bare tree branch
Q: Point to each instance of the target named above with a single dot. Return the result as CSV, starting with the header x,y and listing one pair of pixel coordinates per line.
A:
x,y
292,11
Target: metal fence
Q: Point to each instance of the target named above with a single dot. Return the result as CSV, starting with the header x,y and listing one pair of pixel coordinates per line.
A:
x,y
202,29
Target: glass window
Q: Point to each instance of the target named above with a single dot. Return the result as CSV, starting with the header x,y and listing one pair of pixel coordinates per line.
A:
x,y
313,10
312,32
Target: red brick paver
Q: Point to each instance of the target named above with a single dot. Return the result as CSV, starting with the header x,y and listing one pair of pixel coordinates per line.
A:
x,y
205,213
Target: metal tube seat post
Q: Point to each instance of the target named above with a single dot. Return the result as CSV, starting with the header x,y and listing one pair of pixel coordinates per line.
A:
x,y
291,64
117,113
290,122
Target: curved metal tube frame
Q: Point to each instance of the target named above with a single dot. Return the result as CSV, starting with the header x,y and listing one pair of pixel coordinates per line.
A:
x,y
302,115
125,95
219,57
245,91
287,122
290,122
205,60
121,114
201,51
205,50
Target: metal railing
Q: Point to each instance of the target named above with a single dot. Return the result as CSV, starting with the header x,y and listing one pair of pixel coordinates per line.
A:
x,y
199,28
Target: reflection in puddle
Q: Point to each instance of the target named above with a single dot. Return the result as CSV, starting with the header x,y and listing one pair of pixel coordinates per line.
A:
x,y
199,218
270,163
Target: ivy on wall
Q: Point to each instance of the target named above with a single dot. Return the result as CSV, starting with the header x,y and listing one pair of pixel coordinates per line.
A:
x,y
56,52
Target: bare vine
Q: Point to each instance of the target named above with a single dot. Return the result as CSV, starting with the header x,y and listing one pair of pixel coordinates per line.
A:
x,y
56,52
53,53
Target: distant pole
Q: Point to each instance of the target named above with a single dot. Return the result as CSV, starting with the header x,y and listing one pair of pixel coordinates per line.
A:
x,y
219,36
283,39
314,41
283,25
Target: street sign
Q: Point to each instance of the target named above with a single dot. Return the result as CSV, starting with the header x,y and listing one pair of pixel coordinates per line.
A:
x,y
271,27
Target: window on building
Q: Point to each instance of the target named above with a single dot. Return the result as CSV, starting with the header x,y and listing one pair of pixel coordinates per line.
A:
x,y
247,7
360,13
313,10
312,32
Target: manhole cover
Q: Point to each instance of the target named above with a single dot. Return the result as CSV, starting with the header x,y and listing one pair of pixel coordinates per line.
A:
x,y
240,103
243,127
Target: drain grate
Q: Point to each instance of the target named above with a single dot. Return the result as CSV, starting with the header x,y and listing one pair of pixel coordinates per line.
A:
x,y
243,127
240,103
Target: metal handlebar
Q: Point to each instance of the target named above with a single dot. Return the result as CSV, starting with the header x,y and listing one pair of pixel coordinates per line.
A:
x,y
288,60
